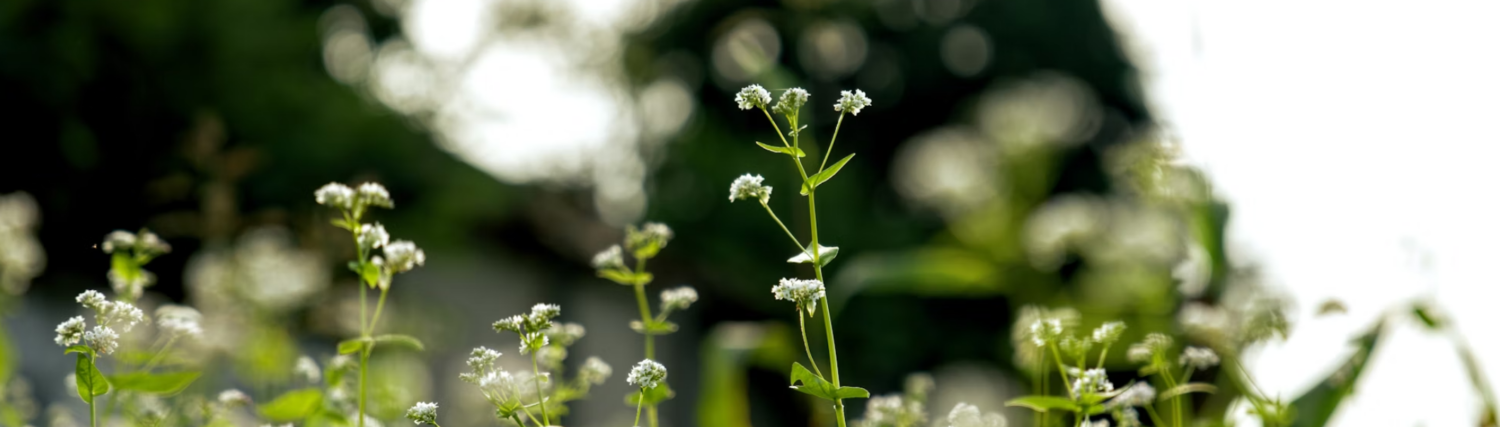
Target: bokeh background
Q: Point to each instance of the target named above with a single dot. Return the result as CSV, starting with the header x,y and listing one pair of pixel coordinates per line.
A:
x,y
1134,160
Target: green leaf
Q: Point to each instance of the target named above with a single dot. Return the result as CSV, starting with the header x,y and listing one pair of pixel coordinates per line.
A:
x,y
1182,389
1315,407
400,341
654,327
293,405
827,174
1429,317
791,151
812,384
370,273
653,395
169,383
1044,403
826,254
79,348
847,392
353,345
626,277
90,381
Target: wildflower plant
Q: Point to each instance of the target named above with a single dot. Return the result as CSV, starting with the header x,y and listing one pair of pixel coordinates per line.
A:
x,y
643,244
805,293
647,375
378,260
129,254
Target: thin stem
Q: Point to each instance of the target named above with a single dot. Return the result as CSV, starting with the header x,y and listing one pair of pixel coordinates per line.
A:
x,y
1155,418
802,325
833,351
831,141
1166,374
160,354
1103,354
1056,356
517,419
638,399
651,415
378,306
1041,375
783,228
364,360
640,299
92,421
540,400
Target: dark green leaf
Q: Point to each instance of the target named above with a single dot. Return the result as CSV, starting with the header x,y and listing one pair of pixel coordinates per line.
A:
x,y
352,345
169,383
847,392
400,341
1182,389
782,149
626,277
653,395
1044,403
1315,407
1428,316
826,254
90,381
293,406
827,174
811,383
654,327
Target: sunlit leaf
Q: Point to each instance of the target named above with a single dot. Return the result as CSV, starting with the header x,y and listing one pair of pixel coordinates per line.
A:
x,y
626,277
812,384
826,254
168,383
293,405
400,341
1182,389
827,174
1044,403
782,149
653,395
90,381
352,345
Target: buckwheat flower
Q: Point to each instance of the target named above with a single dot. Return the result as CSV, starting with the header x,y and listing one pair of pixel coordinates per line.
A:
x,y
647,373
335,195
752,96
70,332
1044,331
402,256
966,415
544,312
650,233
565,334
679,298
372,194
610,259
482,359
1092,381
130,287
372,236
791,100
510,324
1138,394
852,102
119,313
594,371
1074,347
91,299
150,243
307,369
118,240
1128,417
805,293
893,410
1109,332
1199,358
552,356
423,413
102,339
1150,349
749,186
233,397
533,341
178,320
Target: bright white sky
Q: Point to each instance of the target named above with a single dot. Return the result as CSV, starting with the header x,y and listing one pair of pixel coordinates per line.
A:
x,y
1350,138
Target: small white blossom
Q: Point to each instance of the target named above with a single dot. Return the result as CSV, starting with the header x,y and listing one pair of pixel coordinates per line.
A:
x,y
70,332
423,413
966,415
609,259
372,236
335,195
893,410
372,194
752,96
852,102
791,100
307,369
233,397
91,299
1138,394
150,243
679,298
1091,381
565,334
647,374
119,313
118,240
482,359
1199,358
650,233
1044,331
1128,417
102,339
511,324
1147,351
402,256
1109,332
749,186
594,371
541,316
803,292
533,341
179,320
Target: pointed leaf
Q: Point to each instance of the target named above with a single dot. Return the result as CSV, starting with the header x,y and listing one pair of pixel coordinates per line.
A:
x,y
782,149
400,341
826,254
90,381
1182,389
1044,403
625,277
847,392
1315,407
168,383
352,345
653,328
826,174
293,405
653,395
811,383
79,348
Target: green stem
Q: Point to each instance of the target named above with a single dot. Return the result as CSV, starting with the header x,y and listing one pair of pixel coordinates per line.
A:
x,y
1166,374
651,415
787,230
160,354
540,400
833,352
92,421
640,299
831,142
517,419
364,360
1103,354
1155,418
638,399
378,307
1061,371
802,325
1041,375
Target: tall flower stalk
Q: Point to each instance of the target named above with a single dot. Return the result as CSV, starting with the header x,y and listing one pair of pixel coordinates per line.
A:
x,y
805,293
374,270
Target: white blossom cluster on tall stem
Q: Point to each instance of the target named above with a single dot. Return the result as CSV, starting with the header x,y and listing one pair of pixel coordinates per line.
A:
x,y
129,254
514,395
805,293
642,244
378,260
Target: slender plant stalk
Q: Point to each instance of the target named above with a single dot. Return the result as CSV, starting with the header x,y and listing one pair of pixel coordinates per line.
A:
x,y
540,400
802,325
1062,372
92,421
640,300
160,354
1176,400
639,398
783,228
1155,418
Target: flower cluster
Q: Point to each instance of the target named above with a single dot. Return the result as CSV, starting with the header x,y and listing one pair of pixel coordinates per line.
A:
x,y
423,413
1046,331
805,293
752,96
647,374
966,415
1151,351
678,298
1137,394
852,102
108,315
1199,358
396,256
790,102
307,369
233,397
594,371
893,411
129,253
530,327
1092,381
646,241
354,202
749,186
179,321
612,258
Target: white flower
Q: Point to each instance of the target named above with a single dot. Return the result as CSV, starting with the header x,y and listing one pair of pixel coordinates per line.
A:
x,y
650,233
1148,350
335,195
372,236
541,316
402,256
565,334
130,286
150,243
308,369
70,332
372,194
749,187
1091,381
1109,332
179,320
482,359
533,341
791,101
1128,417
1044,331
119,313
91,299
966,415
647,374
852,102
118,240
679,298
1138,394
233,397
511,324
803,292
423,413
1199,358
102,339
752,96
594,371
894,410
611,258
